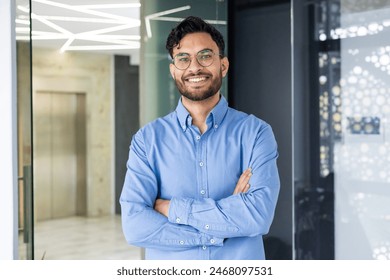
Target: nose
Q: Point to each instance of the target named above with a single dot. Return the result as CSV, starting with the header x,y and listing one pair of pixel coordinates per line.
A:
x,y
194,66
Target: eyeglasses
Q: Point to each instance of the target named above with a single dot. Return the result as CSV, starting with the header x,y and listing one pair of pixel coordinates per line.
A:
x,y
204,57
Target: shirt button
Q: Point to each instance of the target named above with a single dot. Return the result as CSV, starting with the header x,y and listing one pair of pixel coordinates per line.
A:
x,y
212,241
183,127
177,220
202,192
216,126
201,163
204,247
181,242
197,137
206,226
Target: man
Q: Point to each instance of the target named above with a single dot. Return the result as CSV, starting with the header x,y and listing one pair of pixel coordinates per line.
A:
x,y
202,182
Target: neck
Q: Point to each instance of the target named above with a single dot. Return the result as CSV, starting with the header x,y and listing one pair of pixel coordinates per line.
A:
x,y
199,110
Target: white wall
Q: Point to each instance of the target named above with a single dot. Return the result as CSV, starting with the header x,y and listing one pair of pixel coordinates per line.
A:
x,y
8,152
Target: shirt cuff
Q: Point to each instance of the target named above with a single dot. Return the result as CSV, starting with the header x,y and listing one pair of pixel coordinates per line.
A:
x,y
179,209
211,241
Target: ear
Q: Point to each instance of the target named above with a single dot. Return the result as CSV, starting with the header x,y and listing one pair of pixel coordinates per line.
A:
x,y
172,70
224,66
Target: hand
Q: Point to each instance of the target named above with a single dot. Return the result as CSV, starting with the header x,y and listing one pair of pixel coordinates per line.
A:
x,y
162,206
243,183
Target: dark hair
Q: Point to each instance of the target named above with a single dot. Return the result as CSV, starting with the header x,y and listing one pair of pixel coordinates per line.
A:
x,y
193,24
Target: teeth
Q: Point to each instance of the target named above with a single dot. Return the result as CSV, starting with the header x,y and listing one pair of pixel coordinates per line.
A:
x,y
196,80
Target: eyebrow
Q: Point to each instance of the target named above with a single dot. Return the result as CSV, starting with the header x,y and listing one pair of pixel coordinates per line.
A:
x,y
183,53
205,50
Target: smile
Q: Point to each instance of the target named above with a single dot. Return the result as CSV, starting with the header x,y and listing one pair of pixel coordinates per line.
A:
x,y
196,80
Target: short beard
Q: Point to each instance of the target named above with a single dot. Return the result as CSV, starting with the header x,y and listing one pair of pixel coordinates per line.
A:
x,y
211,91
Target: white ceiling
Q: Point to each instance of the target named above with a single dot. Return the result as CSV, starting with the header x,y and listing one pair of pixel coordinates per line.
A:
x,y
83,25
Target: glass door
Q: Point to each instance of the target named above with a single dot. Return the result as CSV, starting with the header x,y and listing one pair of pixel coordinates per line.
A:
x,y
24,128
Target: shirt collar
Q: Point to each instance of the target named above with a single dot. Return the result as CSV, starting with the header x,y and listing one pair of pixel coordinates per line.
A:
x,y
218,113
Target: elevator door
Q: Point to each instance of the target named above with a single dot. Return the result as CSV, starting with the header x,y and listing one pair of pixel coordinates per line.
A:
x,y
59,159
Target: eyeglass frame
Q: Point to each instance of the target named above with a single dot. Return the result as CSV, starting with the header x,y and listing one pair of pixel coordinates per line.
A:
x,y
196,56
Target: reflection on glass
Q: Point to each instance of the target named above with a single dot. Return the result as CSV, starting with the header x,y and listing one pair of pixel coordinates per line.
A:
x,y
342,182
354,130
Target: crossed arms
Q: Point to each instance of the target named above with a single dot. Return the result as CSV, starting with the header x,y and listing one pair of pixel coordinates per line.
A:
x,y
162,205
179,223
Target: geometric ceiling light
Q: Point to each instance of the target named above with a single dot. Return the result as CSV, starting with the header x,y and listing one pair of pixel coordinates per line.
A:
x,y
82,27
160,16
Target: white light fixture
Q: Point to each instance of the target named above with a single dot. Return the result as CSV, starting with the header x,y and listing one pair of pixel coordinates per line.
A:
x,y
110,6
106,47
81,10
107,29
22,21
160,16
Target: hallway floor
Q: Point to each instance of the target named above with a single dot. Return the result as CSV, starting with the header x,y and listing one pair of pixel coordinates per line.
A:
x,y
82,238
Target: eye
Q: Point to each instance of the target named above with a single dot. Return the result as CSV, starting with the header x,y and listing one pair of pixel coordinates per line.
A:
x,y
183,59
205,56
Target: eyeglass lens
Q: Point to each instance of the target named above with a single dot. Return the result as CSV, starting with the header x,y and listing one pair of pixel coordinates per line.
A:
x,y
204,57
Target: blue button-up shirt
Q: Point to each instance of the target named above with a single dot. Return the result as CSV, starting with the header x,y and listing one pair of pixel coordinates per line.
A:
x,y
170,159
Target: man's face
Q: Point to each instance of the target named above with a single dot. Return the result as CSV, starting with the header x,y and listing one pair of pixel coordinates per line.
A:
x,y
198,82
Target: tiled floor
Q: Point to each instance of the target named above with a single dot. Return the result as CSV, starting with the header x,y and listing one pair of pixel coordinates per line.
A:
x,y
81,238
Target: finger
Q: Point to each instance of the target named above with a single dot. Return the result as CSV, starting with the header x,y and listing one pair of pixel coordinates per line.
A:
x,y
246,189
243,189
243,181
243,176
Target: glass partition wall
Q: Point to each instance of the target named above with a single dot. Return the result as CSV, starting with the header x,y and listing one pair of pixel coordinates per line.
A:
x,y
85,60
341,68
158,91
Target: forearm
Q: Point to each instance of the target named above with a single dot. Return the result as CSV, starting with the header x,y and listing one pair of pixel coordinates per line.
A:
x,y
244,214
147,228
